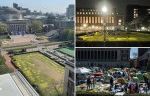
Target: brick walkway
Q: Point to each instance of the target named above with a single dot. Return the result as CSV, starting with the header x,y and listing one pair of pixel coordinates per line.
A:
x,y
8,62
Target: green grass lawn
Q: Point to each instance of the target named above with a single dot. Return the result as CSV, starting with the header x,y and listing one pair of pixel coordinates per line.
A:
x,y
67,50
42,71
122,36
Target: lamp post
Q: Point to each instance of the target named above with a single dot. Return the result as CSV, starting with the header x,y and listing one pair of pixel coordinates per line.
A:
x,y
104,11
85,27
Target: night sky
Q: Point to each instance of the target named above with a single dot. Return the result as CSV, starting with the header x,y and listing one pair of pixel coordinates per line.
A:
x,y
119,4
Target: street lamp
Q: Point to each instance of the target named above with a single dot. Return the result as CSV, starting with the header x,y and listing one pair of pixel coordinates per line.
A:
x,y
104,11
85,27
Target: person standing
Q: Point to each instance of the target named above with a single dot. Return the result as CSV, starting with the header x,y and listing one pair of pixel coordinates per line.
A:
x,y
111,82
88,82
93,82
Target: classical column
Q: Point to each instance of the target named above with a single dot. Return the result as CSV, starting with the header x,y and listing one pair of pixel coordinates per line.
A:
x,y
118,55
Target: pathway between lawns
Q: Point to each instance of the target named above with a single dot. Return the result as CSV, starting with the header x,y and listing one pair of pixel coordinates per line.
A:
x,y
8,63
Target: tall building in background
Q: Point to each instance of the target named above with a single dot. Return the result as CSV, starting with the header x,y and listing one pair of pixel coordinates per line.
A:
x,y
102,57
144,58
15,5
135,11
142,51
70,12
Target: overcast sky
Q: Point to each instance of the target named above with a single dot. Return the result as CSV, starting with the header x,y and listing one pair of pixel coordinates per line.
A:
x,y
56,6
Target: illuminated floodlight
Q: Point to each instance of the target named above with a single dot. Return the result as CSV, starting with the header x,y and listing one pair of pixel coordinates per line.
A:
x,y
104,9
84,25
93,26
142,28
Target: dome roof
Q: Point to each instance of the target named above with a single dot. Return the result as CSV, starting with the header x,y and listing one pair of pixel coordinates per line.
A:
x,y
7,10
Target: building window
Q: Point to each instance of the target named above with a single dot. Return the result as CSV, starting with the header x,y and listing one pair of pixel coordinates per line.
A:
x,y
112,19
119,22
71,75
92,19
102,21
135,13
89,19
148,10
81,20
78,20
84,20
99,20
95,19
109,19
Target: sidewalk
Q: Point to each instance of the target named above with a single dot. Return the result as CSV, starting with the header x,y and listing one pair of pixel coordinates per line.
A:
x,y
8,63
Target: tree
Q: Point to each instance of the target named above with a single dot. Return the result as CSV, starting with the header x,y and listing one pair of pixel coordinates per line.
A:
x,y
36,26
67,34
3,28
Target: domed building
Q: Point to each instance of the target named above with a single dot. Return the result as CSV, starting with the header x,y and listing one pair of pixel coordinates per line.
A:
x,y
8,14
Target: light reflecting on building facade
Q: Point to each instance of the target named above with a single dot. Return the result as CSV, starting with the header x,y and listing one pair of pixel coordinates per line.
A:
x,y
93,17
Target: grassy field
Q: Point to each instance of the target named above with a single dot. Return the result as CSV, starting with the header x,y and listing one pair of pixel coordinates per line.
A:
x,y
67,50
42,71
122,36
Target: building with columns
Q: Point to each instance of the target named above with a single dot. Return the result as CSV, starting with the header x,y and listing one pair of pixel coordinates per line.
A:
x,y
18,27
92,19
102,57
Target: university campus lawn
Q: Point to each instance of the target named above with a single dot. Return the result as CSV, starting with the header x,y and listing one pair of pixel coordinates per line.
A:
x,y
121,36
41,71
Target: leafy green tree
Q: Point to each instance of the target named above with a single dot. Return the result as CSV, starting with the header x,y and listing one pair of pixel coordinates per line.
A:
x,y
36,26
3,27
67,34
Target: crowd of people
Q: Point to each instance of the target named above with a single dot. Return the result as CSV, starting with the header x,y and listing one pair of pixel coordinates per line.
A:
x,y
91,82
128,83
119,81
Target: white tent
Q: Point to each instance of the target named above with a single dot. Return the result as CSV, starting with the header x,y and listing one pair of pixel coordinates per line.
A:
x,y
83,70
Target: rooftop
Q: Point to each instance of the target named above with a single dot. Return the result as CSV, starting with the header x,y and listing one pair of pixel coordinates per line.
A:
x,y
14,84
8,87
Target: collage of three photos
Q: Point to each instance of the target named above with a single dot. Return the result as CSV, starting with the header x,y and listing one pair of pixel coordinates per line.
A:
x,y
75,48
